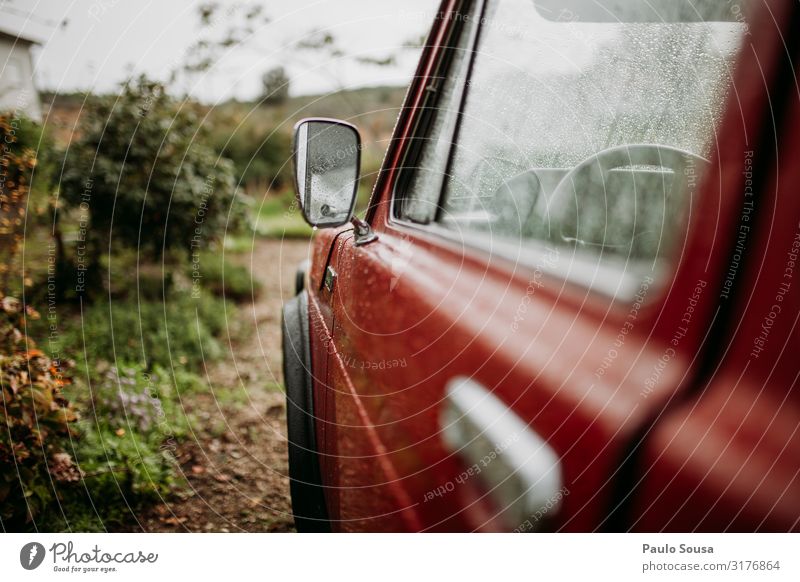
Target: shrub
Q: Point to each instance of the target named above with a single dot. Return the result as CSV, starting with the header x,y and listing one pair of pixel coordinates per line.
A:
x,y
140,169
225,279
177,332
36,418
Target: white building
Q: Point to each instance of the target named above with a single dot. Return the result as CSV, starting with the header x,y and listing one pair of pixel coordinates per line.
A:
x,y
17,90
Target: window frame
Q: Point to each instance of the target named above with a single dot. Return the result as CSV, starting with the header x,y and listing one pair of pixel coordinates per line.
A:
x,y
427,114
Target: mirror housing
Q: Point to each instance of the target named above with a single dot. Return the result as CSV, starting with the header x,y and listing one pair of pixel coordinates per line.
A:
x,y
327,162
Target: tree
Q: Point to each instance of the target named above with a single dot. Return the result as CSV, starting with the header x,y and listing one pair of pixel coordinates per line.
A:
x,y
235,24
141,176
275,83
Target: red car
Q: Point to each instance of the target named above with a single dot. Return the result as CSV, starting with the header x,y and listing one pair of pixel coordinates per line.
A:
x,y
573,303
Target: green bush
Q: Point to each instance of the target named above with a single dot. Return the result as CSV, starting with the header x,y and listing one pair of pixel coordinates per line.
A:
x,y
142,177
182,331
227,280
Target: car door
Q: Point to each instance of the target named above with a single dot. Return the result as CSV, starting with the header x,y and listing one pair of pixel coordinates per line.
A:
x,y
497,355
727,457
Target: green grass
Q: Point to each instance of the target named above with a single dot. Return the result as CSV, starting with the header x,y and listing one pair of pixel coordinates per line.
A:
x,y
183,331
138,371
285,225
277,216
239,243
134,391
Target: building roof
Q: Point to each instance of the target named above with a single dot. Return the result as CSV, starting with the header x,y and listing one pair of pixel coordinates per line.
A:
x,y
20,36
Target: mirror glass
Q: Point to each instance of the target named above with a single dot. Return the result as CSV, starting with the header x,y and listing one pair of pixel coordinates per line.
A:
x,y
326,157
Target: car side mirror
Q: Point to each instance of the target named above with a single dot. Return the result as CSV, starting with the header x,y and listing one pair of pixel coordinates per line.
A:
x,y
327,160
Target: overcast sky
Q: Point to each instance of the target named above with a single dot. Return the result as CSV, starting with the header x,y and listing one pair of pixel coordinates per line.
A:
x,y
103,42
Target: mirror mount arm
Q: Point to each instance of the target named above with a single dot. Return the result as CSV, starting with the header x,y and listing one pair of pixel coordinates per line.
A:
x,y
363,231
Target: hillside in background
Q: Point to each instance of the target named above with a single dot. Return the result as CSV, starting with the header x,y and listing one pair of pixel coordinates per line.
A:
x,y
373,109
257,138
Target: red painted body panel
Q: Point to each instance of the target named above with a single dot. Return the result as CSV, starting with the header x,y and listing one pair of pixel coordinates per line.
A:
x,y
411,311
734,451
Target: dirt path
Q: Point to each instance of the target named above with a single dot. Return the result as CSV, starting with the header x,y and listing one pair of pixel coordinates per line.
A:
x,y
237,466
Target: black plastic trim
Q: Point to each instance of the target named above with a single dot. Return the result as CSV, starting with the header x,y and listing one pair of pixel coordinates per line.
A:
x,y
300,276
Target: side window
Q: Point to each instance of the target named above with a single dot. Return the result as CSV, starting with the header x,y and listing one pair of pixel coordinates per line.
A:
x,y
585,127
